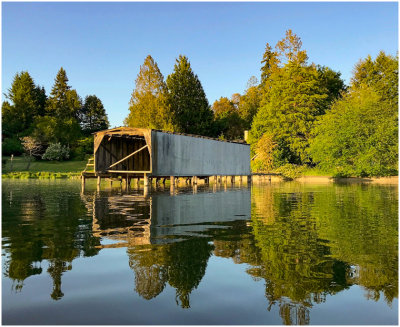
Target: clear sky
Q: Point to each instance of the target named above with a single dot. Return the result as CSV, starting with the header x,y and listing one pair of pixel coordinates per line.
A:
x,y
102,45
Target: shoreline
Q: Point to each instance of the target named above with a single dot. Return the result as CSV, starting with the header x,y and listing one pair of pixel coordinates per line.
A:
x,y
389,180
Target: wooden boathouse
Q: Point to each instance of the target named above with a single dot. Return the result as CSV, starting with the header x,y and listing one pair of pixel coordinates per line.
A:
x,y
147,153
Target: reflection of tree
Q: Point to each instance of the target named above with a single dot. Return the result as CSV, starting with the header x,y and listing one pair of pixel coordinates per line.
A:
x,y
44,223
311,241
187,262
181,264
148,262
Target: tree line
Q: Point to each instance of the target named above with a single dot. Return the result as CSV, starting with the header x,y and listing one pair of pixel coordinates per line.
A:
x,y
299,114
43,124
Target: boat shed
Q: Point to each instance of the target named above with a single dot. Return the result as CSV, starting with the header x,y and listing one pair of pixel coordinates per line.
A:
x,y
155,153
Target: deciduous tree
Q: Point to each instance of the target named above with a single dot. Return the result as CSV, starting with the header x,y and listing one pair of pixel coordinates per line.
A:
x,y
149,107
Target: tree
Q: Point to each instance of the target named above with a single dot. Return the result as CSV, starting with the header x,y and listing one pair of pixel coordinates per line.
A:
x,y
381,74
93,116
269,63
149,107
32,147
63,102
250,102
295,100
293,94
358,136
188,100
60,124
26,103
227,119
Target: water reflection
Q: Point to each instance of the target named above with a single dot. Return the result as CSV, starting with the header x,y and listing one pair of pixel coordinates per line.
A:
x,y
306,243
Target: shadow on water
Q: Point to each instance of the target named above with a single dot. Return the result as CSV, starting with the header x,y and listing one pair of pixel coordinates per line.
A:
x,y
304,242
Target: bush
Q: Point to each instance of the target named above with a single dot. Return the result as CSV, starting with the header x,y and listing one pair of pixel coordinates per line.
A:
x,y
83,148
12,146
56,151
290,172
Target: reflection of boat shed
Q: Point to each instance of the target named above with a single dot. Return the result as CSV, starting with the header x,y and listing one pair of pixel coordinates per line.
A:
x,y
148,152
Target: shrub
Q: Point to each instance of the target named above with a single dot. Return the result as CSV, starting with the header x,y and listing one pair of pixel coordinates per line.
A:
x,y
12,146
56,151
290,171
83,148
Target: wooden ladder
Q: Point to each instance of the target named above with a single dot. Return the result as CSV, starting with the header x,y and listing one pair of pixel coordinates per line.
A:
x,y
90,163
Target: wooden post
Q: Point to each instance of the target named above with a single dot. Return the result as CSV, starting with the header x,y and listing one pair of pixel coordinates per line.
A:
x,y
240,180
83,182
215,179
172,180
98,182
248,179
146,180
233,180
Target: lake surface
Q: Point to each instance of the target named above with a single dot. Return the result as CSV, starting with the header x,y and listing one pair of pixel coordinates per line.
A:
x,y
285,253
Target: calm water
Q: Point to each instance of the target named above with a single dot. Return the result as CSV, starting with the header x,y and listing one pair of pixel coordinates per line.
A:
x,y
271,254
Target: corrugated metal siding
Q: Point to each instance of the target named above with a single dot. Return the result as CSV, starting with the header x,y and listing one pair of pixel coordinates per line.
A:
x,y
181,155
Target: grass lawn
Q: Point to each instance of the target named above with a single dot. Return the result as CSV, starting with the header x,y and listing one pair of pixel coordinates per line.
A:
x,y
20,164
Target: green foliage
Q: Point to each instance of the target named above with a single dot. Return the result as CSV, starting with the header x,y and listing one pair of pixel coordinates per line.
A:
x,y
56,151
291,96
250,102
227,119
82,148
53,130
149,107
93,116
381,74
27,102
290,172
358,136
63,102
294,101
12,146
191,111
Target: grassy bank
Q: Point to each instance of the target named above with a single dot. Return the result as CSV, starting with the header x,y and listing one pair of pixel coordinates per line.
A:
x,y
41,169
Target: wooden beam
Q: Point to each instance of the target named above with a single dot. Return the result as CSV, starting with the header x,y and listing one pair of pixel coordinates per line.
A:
x,y
128,171
128,156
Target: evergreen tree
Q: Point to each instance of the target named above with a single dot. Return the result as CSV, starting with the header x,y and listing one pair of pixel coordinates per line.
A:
x,y
295,99
269,63
149,107
93,116
63,102
381,74
18,116
293,94
188,100
60,124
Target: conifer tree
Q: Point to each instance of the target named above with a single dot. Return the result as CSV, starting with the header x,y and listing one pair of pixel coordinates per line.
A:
x,y
189,104
60,124
293,95
63,102
18,115
93,116
149,107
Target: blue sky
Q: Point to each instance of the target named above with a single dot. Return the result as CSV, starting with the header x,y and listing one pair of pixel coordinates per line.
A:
x,y
102,45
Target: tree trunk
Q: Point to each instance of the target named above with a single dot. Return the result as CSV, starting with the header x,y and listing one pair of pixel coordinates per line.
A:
x,y
29,162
